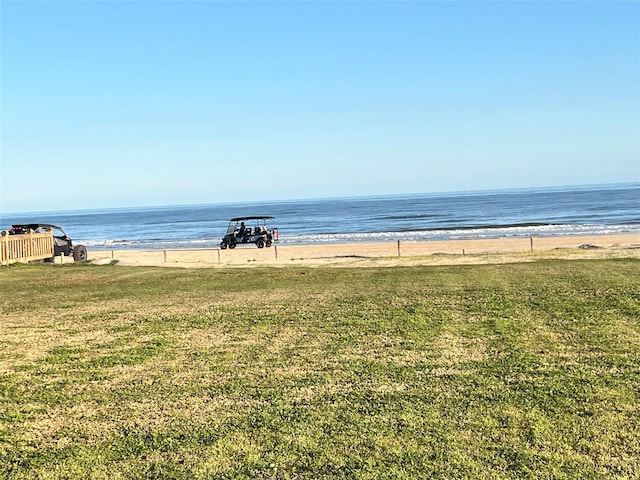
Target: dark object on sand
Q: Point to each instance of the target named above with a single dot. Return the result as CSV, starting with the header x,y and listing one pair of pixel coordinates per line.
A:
x,y
62,243
238,233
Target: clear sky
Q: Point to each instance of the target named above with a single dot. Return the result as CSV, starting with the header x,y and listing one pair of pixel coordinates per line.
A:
x,y
124,103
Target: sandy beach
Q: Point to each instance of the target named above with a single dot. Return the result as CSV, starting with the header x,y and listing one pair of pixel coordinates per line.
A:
x,y
383,253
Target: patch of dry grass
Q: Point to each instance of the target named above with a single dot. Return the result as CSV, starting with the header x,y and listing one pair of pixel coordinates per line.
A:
x,y
490,371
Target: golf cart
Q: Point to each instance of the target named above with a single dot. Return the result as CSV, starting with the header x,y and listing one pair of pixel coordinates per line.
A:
x,y
239,233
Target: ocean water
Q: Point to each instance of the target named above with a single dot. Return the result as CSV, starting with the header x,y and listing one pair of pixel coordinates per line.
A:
x,y
542,212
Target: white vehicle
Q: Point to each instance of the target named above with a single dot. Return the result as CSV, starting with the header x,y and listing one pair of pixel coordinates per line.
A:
x,y
249,230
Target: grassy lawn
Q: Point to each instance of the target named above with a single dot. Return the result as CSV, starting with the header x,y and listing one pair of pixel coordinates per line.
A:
x,y
527,370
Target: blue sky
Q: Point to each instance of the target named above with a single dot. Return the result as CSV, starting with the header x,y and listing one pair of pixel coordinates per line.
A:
x,y
113,104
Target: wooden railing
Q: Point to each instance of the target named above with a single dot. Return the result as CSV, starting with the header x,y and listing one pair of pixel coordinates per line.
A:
x,y
25,247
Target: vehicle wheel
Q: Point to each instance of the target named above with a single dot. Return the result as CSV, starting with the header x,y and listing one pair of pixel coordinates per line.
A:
x,y
223,246
260,243
232,246
268,243
80,253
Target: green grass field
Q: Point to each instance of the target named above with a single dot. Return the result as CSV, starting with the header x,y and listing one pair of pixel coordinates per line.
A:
x,y
528,370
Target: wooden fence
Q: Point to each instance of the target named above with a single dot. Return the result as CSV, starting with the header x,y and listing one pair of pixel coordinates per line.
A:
x,y
25,247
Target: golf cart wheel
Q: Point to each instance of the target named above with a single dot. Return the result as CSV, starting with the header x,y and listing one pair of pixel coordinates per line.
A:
x,y
223,246
80,253
232,246
260,243
268,244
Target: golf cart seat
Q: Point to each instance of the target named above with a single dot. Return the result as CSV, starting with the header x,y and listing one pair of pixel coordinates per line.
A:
x,y
60,242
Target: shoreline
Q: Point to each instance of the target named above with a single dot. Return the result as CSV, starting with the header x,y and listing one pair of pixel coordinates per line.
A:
x,y
396,253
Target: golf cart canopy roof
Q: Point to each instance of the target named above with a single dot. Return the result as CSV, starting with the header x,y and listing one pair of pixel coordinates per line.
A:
x,y
242,219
